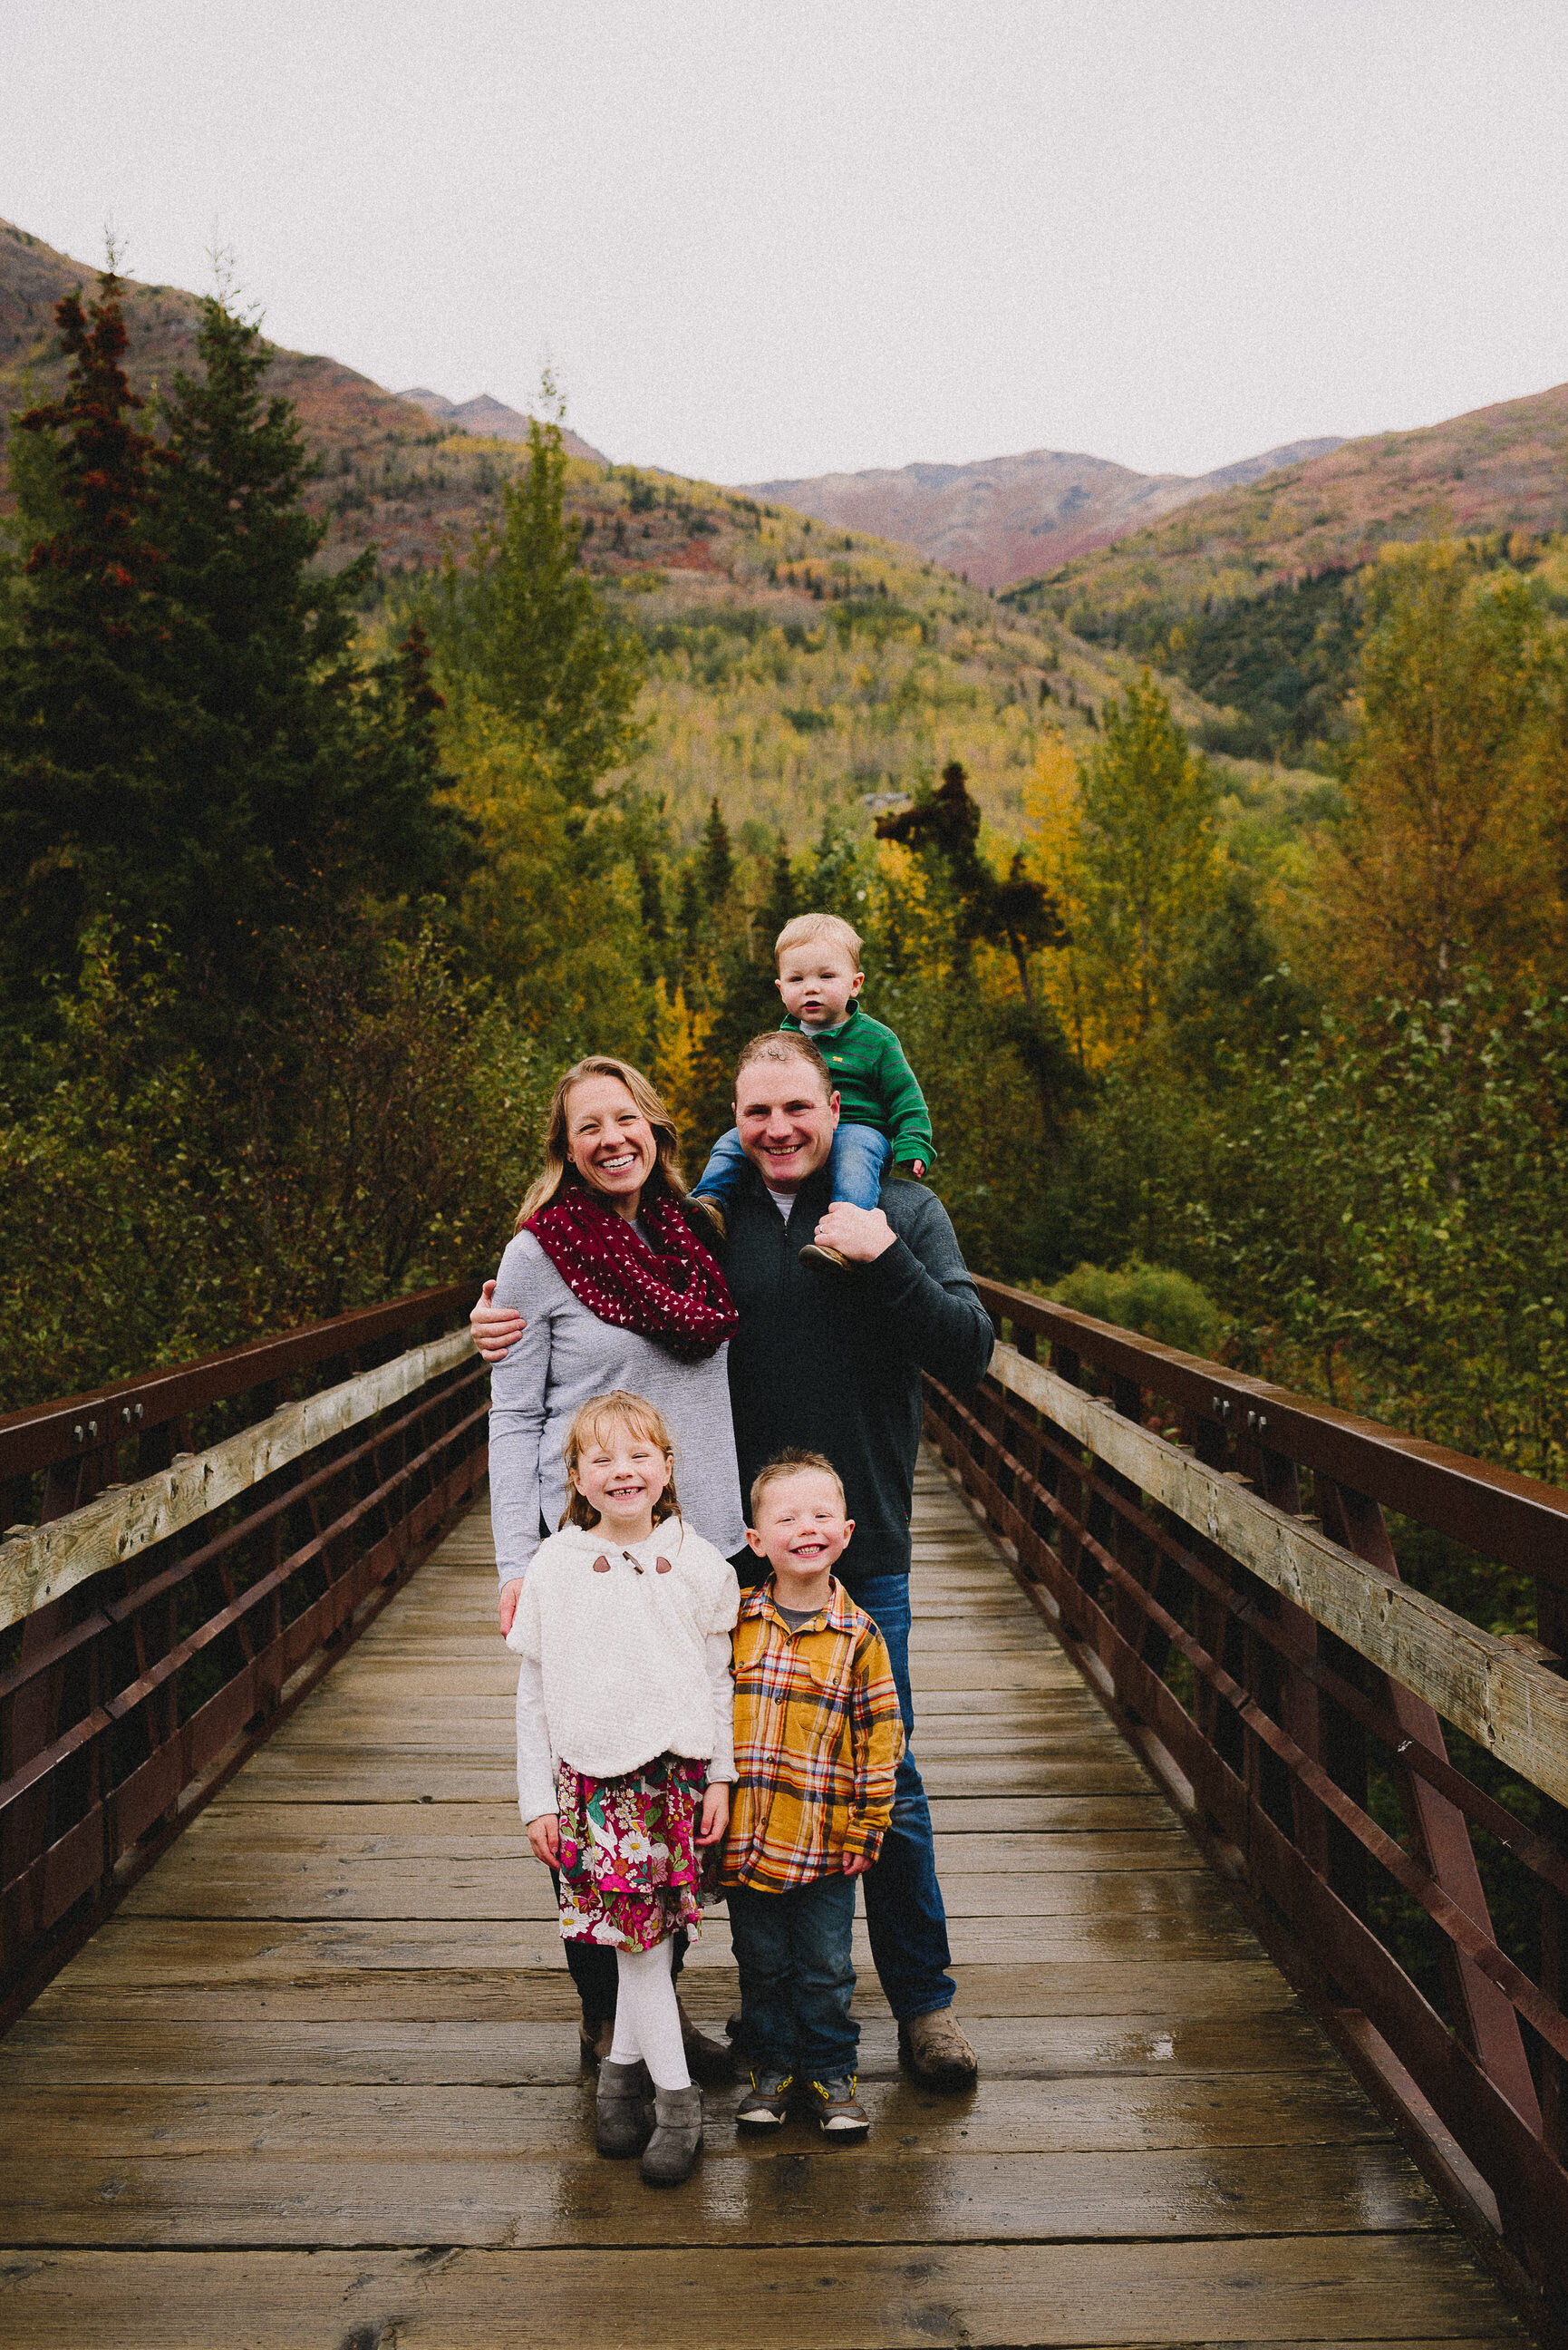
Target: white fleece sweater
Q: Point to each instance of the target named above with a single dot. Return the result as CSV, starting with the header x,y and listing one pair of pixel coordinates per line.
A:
x,y
625,1656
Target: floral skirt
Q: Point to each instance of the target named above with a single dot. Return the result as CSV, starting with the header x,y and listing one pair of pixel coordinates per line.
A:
x,y
629,1864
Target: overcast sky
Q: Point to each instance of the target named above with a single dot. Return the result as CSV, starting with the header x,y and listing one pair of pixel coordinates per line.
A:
x,y
770,237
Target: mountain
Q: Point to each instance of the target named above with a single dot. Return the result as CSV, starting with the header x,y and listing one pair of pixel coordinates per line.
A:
x,y
798,676
1502,469
492,419
1008,518
404,482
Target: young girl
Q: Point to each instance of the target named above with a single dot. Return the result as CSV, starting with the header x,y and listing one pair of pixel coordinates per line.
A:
x,y
626,1749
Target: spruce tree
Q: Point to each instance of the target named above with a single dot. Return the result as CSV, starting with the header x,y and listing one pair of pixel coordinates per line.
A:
x,y
89,705
522,627
718,858
187,742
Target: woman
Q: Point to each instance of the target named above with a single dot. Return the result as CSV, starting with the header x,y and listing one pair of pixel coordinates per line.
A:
x,y
614,1289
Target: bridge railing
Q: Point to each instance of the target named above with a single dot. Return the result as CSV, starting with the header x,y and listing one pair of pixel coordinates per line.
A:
x,y
1218,1553
183,1556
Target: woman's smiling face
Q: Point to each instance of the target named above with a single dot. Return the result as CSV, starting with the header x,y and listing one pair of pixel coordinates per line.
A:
x,y
609,1141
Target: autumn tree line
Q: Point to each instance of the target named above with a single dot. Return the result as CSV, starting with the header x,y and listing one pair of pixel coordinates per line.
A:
x,y
310,887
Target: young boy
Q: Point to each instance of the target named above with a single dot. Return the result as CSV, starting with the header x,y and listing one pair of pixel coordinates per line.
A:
x,y
818,1738
882,1111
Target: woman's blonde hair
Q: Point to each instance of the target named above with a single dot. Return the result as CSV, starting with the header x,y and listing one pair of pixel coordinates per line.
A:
x,y
558,1168
619,1409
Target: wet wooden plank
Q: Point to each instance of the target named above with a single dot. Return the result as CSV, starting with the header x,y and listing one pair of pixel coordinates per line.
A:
x,y
512,1885
516,2049
1091,2114
1415,2290
1204,1989
803,2194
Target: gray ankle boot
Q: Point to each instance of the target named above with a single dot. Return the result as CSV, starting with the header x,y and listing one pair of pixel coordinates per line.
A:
x,y
677,2139
623,2111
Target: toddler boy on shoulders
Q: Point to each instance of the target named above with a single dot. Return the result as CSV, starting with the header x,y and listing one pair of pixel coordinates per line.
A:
x,y
882,1111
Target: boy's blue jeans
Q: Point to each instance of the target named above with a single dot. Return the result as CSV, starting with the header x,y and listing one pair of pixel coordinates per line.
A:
x,y
796,1977
859,1160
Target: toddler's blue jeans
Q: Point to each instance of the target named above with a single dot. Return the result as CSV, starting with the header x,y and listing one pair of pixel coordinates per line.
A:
x,y
859,1161
796,1977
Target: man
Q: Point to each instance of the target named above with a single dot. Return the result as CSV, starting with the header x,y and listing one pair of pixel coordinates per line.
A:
x,y
831,1363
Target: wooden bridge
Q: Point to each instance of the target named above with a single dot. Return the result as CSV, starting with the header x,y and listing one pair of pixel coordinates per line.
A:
x,y
291,2056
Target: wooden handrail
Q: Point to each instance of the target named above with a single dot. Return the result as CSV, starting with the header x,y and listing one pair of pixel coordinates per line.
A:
x,y
1516,1708
46,1434
1517,1519
46,1561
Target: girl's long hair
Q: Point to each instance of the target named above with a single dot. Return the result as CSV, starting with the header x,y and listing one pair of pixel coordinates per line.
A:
x,y
619,1409
559,1168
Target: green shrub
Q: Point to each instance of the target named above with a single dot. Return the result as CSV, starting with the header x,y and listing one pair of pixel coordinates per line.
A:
x,y
1149,1298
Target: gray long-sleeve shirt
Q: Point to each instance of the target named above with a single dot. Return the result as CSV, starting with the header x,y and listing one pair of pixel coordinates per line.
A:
x,y
565,1356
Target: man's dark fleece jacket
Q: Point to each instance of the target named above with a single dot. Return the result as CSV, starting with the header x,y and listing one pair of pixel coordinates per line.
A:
x,y
831,1362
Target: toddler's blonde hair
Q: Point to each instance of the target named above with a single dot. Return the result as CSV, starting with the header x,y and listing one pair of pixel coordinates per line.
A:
x,y
807,927
619,1409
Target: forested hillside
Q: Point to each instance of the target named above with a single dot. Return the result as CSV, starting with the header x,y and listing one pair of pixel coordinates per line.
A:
x,y
791,670
1250,595
316,873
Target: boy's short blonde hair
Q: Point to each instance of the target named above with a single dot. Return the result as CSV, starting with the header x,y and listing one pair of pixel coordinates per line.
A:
x,y
791,1464
807,927
619,1409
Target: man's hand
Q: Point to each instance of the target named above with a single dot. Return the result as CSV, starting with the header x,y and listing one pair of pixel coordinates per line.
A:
x,y
544,1836
507,1606
494,1329
861,1235
856,1864
715,1824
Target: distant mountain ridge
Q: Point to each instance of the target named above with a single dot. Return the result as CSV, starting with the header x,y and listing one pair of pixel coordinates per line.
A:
x,y
1002,519
1497,470
492,419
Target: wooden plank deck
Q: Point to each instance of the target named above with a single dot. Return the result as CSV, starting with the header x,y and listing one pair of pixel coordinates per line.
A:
x,y
314,2086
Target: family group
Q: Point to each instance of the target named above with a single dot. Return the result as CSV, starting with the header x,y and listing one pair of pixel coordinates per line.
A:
x,y
706,1706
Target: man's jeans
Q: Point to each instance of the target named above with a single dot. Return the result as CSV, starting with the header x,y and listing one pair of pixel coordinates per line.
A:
x,y
796,1977
858,1164
904,1911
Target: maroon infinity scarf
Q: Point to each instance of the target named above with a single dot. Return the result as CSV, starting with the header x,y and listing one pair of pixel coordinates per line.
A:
x,y
671,1291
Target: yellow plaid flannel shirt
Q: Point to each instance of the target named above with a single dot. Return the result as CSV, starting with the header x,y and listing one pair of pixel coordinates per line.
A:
x,y
818,1738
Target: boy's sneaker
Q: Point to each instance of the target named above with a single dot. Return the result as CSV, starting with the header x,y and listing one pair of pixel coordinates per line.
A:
x,y
839,2112
812,1254
766,2102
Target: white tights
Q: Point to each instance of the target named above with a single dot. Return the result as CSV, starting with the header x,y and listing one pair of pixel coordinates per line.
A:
x,y
647,2020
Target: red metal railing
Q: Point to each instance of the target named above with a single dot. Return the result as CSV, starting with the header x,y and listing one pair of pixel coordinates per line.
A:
x,y
1181,1561
126,1701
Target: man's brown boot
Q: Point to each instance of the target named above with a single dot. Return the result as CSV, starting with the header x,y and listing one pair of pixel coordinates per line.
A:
x,y
936,2052
707,2060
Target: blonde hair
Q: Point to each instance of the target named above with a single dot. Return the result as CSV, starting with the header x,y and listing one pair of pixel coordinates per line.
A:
x,y
791,1464
557,1168
619,1409
807,927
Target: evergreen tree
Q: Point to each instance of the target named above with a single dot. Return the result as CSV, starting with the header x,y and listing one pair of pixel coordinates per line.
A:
x,y
86,703
186,740
522,628
718,859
